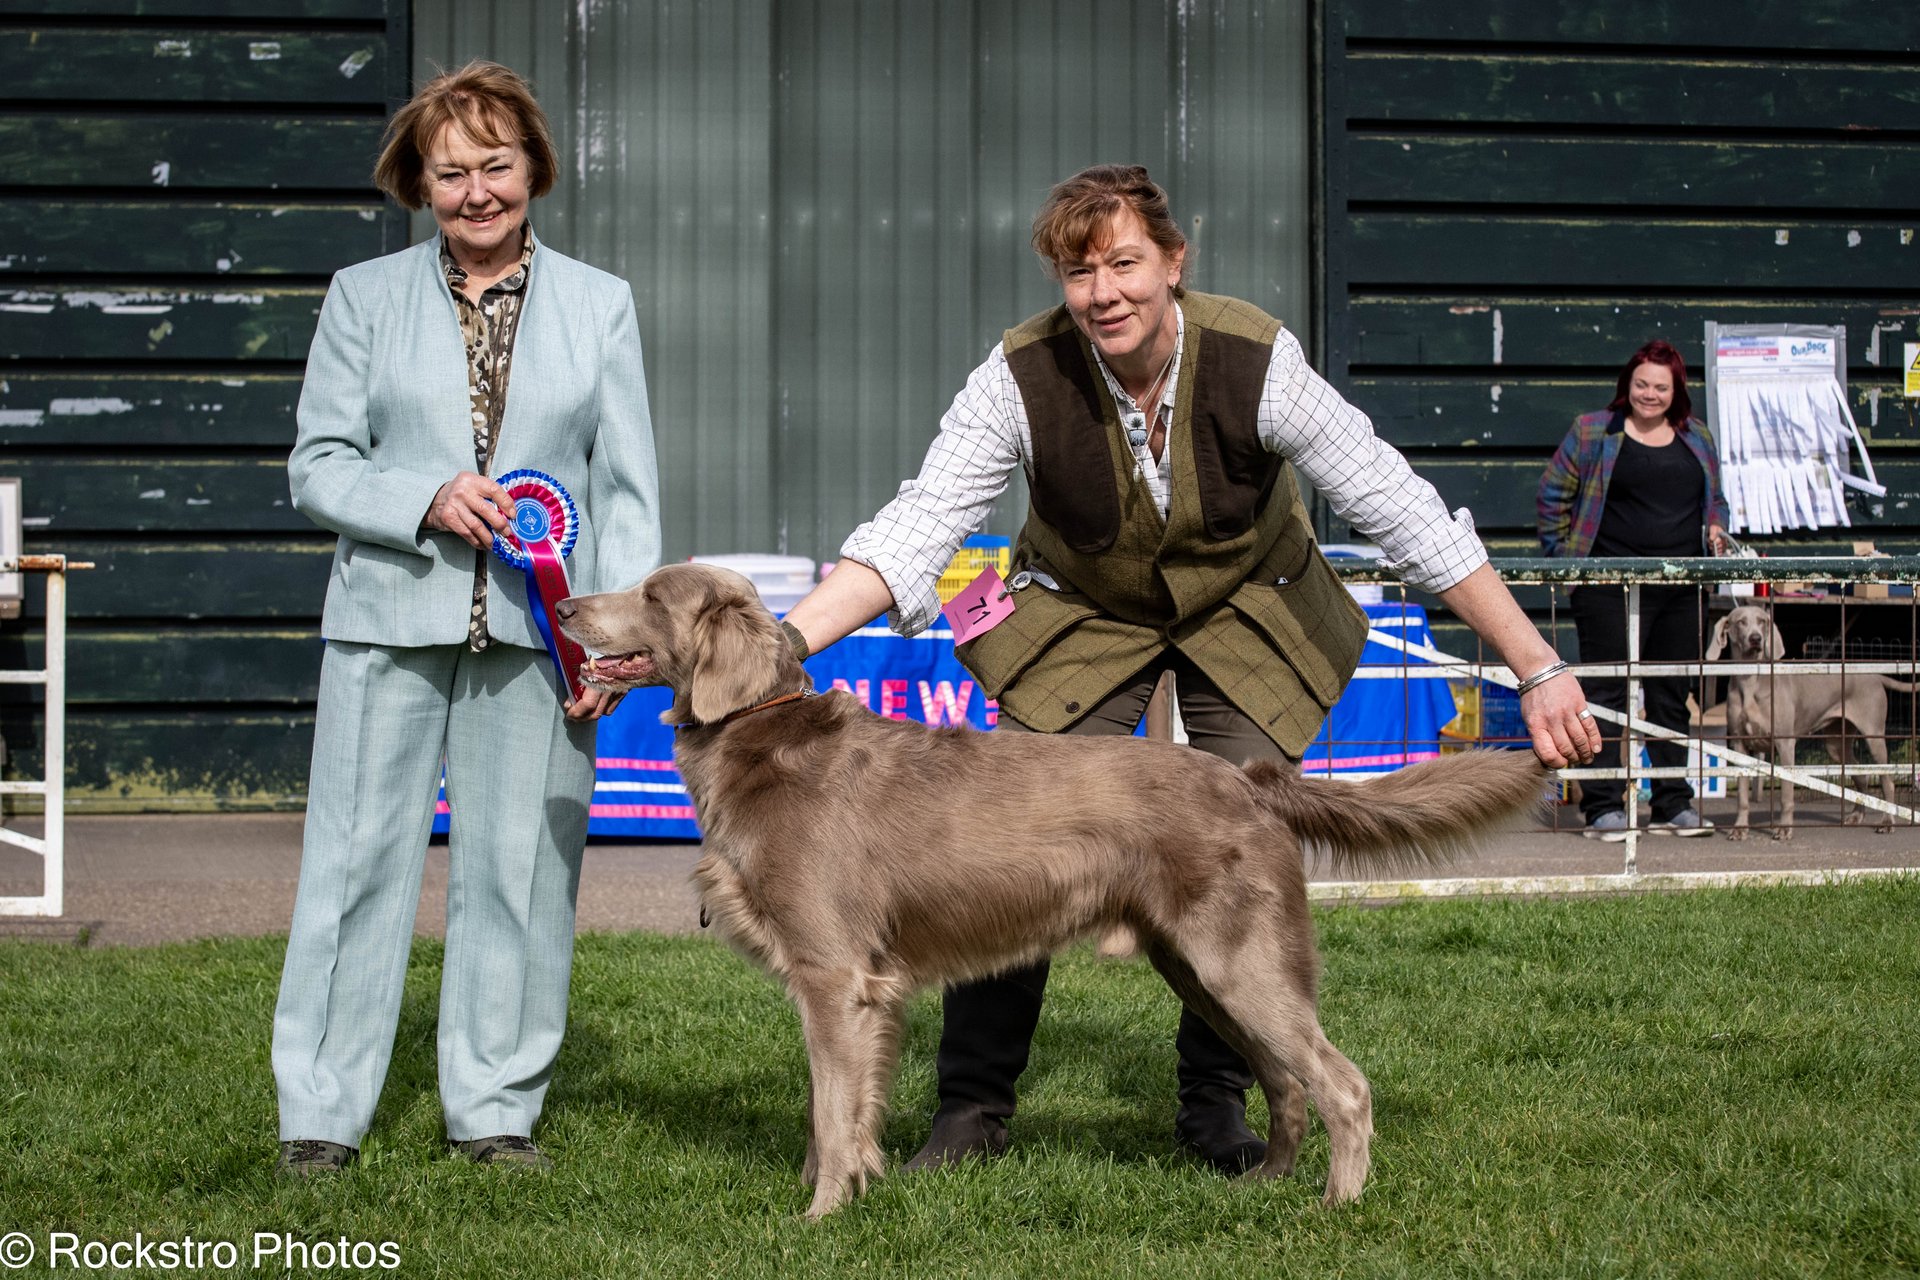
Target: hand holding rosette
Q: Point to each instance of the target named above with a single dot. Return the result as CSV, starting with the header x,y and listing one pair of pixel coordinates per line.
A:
x,y
542,528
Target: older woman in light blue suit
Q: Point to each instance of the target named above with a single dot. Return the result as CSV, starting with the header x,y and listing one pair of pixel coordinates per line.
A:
x,y
404,416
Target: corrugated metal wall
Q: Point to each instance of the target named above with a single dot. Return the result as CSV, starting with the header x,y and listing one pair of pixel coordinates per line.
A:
x,y
1520,192
182,177
823,206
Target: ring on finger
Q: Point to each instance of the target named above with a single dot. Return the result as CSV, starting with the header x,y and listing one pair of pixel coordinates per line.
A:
x,y
1585,714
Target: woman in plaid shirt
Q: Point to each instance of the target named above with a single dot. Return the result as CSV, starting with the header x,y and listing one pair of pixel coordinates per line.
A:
x,y
1640,478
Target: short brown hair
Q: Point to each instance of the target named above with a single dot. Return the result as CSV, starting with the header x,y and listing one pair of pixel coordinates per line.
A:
x,y
491,103
1077,211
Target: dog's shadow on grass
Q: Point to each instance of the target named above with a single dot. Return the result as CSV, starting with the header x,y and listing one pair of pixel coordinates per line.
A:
x,y
732,1077
1097,1081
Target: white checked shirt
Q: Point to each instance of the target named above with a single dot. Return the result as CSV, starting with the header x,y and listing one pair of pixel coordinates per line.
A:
x,y
985,434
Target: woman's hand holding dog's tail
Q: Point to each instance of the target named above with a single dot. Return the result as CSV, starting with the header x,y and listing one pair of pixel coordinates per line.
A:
x,y
1562,729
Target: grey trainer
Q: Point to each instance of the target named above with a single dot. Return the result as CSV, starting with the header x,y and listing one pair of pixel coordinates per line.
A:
x,y
1687,822
1610,826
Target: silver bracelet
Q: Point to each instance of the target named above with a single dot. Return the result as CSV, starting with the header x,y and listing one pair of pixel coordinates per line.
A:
x,y
1540,677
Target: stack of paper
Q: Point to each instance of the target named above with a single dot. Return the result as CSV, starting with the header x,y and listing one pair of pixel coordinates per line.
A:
x,y
1785,431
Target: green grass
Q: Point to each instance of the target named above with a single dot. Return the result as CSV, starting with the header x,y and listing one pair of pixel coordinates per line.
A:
x,y
1722,1083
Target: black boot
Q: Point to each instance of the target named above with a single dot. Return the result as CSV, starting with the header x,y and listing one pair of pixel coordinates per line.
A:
x,y
1212,1121
984,1040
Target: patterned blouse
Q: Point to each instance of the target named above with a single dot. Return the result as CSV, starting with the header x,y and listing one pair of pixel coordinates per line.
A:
x,y
486,329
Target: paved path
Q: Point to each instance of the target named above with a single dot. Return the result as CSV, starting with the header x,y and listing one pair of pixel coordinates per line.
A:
x,y
140,880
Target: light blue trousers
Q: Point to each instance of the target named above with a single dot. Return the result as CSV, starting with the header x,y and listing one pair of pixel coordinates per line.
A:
x,y
519,781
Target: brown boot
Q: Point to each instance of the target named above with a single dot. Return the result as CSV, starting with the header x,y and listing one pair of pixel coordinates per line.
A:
x,y
1211,1124
961,1132
984,1039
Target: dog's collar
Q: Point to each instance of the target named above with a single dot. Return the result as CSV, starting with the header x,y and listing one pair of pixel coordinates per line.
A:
x,y
759,706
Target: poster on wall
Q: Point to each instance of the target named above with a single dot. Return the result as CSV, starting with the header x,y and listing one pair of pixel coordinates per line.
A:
x,y
1777,395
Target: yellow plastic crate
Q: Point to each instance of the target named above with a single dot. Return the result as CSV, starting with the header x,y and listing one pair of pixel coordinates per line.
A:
x,y
968,563
1465,725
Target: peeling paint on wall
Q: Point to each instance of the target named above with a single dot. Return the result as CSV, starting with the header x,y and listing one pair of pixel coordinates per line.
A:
x,y
86,408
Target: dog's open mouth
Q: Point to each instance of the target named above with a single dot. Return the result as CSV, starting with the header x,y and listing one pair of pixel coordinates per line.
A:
x,y
619,671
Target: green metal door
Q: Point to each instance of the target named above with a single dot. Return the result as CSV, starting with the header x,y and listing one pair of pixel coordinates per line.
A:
x,y
183,176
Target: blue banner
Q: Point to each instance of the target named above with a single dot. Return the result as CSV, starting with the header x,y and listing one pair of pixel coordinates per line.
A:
x,y
1378,725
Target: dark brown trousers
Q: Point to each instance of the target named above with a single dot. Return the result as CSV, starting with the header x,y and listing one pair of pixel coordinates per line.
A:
x,y
989,1024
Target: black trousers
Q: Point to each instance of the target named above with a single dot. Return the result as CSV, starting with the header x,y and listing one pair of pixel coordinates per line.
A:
x,y
1670,631
989,1024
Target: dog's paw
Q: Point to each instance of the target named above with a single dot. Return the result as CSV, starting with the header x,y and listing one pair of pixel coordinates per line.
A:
x,y
1737,833
1119,943
1783,833
828,1196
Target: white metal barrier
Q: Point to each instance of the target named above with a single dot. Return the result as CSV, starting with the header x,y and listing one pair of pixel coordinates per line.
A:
x,y
51,843
1632,574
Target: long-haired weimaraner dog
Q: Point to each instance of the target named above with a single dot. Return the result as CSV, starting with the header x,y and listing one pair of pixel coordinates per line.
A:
x,y
859,858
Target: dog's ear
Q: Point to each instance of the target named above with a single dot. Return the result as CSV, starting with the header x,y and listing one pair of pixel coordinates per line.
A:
x,y
1776,643
1717,639
736,651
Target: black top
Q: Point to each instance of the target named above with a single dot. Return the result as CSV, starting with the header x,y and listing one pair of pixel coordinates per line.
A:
x,y
1656,502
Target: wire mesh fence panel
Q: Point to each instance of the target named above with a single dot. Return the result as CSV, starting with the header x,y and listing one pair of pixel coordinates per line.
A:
x,y
1819,738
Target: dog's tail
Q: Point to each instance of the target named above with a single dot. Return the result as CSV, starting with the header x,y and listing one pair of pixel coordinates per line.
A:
x,y
1422,816
1899,686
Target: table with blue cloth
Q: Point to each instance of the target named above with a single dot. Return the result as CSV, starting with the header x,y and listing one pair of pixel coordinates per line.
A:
x,y
1377,725
1382,725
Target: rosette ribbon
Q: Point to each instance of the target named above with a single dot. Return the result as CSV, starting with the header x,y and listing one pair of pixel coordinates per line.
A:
x,y
542,529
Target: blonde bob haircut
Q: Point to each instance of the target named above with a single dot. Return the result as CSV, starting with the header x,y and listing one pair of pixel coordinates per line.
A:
x,y
490,103
1073,221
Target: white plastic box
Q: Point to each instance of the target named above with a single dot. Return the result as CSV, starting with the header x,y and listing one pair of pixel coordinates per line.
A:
x,y
1700,755
780,580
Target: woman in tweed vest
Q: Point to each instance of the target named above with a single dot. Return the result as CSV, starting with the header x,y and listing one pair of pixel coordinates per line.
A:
x,y
1158,431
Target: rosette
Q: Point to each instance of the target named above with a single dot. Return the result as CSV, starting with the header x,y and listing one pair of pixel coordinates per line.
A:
x,y
543,526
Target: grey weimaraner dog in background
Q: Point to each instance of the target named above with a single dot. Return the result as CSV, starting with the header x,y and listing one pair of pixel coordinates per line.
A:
x,y
1769,712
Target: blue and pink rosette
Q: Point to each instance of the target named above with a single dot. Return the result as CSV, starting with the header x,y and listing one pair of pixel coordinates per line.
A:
x,y
543,526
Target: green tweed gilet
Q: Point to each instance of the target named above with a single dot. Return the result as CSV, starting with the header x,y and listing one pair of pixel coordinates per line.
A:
x,y
1232,578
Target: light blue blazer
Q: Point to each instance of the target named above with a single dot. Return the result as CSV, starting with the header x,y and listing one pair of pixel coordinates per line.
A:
x,y
385,419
